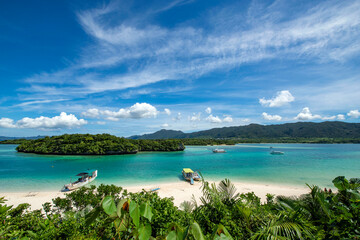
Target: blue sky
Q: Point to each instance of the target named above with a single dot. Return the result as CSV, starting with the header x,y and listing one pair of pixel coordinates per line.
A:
x,y
128,68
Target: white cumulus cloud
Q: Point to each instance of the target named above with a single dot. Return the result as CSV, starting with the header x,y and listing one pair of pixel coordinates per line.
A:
x,y
228,119
329,118
271,117
335,117
305,114
341,117
91,113
282,98
167,111
213,119
195,117
208,110
64,120
165,125
136,111
7,123
354,114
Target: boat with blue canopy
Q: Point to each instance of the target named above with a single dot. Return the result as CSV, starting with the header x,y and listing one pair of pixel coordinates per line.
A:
x,y
190,175
84,178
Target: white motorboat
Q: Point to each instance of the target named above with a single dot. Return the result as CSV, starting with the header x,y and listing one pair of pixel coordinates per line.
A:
x,y
217,150
273,152
276,153
84,178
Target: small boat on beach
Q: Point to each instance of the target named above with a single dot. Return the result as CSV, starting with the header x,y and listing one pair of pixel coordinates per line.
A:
x,y
190,175
273,152
154,189
84,178
217,150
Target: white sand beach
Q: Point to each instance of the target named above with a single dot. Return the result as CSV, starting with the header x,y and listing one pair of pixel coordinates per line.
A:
x,y
181,191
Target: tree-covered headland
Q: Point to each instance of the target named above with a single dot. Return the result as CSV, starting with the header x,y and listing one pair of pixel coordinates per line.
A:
x,y
99,144
109,212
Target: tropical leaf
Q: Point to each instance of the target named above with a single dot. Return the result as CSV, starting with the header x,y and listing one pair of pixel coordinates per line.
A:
x,y
341,183
146,210
91,216
172,236
187,206
228,190
145,232
4,209
135,213
120,207
196,231
175,232
355,195
221,233
108,205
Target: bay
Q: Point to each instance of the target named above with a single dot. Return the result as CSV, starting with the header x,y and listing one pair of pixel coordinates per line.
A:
x,y
302,163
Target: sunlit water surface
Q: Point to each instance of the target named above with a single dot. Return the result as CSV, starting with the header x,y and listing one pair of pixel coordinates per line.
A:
x,y
301,163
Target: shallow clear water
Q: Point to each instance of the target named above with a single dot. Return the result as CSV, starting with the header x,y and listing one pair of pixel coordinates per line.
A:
x,y
301,163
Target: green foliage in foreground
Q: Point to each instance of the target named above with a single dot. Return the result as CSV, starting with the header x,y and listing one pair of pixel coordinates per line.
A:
x,y
108,212
100,144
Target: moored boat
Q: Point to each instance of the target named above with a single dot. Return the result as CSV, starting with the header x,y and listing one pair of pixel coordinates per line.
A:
x,y
190,175
217,150
276,152
273,152
84,178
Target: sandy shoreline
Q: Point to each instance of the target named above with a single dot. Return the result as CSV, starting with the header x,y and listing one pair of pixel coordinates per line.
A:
x,y
181,191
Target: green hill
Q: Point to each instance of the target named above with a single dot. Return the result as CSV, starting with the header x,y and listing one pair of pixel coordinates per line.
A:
x,y
257,131
162,134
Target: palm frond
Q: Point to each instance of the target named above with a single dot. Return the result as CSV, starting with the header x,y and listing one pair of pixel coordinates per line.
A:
x,y
187,206
193,200
283,228
228,190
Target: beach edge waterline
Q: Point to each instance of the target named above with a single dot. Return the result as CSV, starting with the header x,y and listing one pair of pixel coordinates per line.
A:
x,y
181,191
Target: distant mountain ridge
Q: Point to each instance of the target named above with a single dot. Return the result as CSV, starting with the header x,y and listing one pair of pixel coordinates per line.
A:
x,y
162,134
2,138
295,130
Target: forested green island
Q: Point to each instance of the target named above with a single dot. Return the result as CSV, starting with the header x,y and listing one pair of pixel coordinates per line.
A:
x,y
109,212
170,140
99,144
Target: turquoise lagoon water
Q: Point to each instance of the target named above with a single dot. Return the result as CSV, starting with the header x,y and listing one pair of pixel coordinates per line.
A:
x,y
302,163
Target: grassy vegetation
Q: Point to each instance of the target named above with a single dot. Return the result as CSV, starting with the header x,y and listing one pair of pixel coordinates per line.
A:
x,y
109,212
